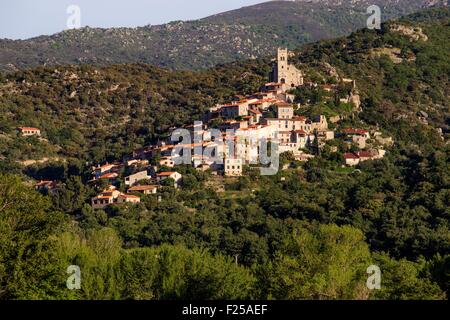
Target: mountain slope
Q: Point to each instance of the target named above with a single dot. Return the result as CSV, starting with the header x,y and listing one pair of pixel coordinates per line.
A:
x,y
103,112
402,71
398,207
245,33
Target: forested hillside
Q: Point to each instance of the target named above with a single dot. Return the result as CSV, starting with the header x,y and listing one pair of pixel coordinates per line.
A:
x,y
103,113
249,32
401,71
309,232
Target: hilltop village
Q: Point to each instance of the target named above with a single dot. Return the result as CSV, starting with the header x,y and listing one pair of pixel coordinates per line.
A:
x,y
307,174
270,114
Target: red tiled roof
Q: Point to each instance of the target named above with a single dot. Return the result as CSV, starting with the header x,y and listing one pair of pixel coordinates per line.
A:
x,y
28,129
350,156
254,111
143,188
284,104
109,176
245,100
104,197
366,154
354,131
44,183
260,101
105,166
165,174
129,196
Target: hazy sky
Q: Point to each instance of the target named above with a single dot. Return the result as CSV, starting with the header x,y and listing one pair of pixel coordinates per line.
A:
x,y
21,19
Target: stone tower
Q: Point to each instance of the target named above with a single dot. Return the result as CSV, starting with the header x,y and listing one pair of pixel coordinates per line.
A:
x,y
282,65
285,73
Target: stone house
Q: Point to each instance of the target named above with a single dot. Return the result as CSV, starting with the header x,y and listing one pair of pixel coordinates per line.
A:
x,y
128,198
131,180
107,197
144,189
232,111
233,167
169,175
29,131
284,110
167,162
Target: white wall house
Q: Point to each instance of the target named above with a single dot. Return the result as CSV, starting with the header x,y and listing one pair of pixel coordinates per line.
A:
x,y
233,167
131,180
169,175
